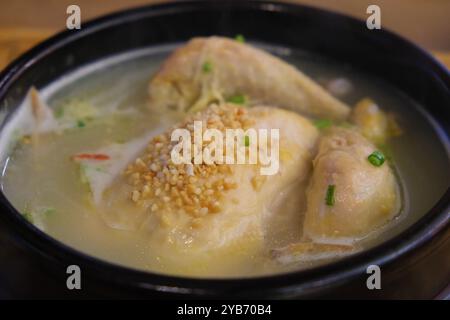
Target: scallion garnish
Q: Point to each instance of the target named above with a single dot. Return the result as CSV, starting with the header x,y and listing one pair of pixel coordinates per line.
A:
x,y
59,113
376,158
207,67
239,38
28,216
329,198
49,211
238,99
323,123
81,124
247,141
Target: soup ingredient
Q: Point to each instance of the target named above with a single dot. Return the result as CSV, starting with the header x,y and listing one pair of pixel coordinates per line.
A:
x,y
38,215
376,158
99,168
329,199
239,38
365,198
41,119
238,68
207,67
371,120
310,251
238,99
199,207
374,123
323,123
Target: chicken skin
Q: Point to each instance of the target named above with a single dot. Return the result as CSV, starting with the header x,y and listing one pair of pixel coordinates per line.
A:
x,y
364,196
201,207
219,69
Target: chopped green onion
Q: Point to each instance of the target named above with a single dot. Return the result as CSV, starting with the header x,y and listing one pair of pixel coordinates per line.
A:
x,y
27,215
207,67
323,123
59,113
247,141
329,198
239,38
376,158
81,124
49,211
238,99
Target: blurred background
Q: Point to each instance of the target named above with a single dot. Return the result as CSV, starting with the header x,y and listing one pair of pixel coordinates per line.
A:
x,y
24,23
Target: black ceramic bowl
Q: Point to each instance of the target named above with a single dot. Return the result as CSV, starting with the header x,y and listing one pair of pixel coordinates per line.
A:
x,y
414,264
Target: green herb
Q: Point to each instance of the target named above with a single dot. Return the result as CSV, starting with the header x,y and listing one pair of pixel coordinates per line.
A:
x,y
239,38
238,99
49,211
100,169
323,123
247,141
59,113
376,158
81,124
27,215
207,67
83,174
329,198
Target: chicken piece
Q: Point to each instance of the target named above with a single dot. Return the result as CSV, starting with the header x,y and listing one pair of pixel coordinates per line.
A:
x,y
200,207
309,251
374,123
348,196
217,69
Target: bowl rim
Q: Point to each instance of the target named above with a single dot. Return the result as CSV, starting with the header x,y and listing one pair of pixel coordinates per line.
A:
x,y
436,220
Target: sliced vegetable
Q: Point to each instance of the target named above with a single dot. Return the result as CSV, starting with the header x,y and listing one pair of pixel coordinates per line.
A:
x,y
239,38
247,141
329,198
49,211
323,123
376,158
207,67
238,99
81,124
27,215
